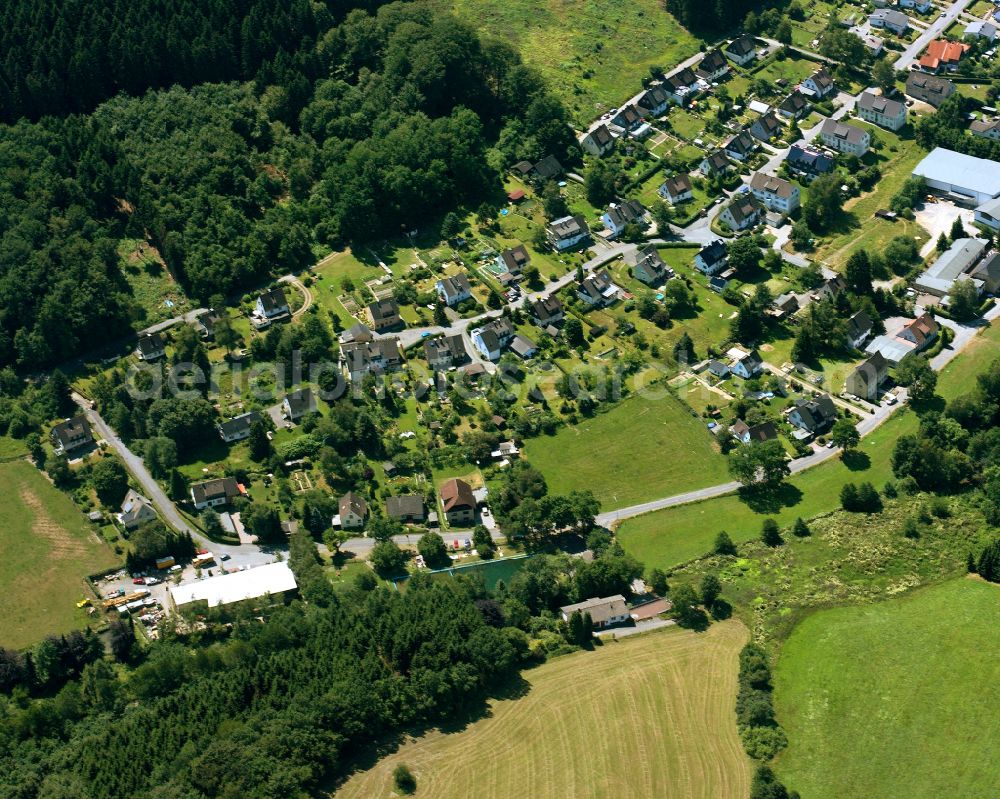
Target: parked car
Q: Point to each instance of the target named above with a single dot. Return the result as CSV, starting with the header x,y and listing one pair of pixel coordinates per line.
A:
x,y
138,581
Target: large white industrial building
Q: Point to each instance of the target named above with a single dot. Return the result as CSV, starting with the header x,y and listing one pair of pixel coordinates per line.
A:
x,y
274,579
965,179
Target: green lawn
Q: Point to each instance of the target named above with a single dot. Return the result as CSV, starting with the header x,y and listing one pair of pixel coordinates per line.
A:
x,y
959,376
155,293
668,537
593,53
642,449
860,230
48,548
895,699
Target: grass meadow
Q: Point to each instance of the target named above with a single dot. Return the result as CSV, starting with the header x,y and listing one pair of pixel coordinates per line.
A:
x,y
48,548
897,698
639,450
646,716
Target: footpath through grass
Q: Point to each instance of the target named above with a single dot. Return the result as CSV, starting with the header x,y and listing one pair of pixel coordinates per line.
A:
x,y
48,548
895,699
646,716
642,449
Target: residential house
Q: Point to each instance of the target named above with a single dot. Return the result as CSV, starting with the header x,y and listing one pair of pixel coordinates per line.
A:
x,y
986,128
513,262
911,338
298,404
929,89
921,331
377,357
987,274
881,111
407,508
765,127
453,290
523,347
566,232
874,44
859,328
845,138
237,428
740,147
923,6
546,310
598,142
741,51
70,435
135,511
352,511
748,365
890,20
819,85
784,305
980,29
272,305
943,54
444,352
458,502
830,288
719,369
776,194
356,334
492,338
205,322
547,169
150,346
715,163
384,314
212,493
627,119
648,266
743,212
866,379
654,101
681,86
620,215
604,612
597,289
677,189
813,416
712,258
808,163
713,66
793,106
753,434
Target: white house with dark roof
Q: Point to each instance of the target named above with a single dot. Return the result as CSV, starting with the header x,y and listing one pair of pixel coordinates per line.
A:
x,y
889,19
136,510
712,258
859,328
793,106
715,163
881,111
648,266
748,365
597,289
546,310
150,346
813,416
70,435
298,403
743,212
654,101
603,611
598,141
712,66
681,86
866,380
492,339
845,138
566,232
677,189
453,290
740,146
212,493
765,127
819,85
620,215
444,352
272,304
237,428
777,194
741,51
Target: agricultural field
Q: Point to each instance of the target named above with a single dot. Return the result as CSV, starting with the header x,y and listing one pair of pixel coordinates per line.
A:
x,y
593,53
894,699
646,716
49,549
642,449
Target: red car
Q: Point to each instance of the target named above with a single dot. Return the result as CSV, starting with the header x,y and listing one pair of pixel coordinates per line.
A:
x,y
202,551
138,581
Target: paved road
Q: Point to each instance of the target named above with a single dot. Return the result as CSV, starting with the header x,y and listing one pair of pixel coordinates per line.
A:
x,y
239,555
640,627
963,336
911,53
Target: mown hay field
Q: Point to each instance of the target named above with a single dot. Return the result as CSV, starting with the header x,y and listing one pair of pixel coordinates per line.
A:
x,y
648,716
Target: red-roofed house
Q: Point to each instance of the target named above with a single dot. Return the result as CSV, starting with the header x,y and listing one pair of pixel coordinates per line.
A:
x,y
942,54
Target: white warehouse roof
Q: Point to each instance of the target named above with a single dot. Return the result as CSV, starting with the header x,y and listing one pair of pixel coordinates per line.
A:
x,y
274,578
970,175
